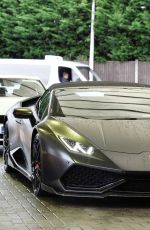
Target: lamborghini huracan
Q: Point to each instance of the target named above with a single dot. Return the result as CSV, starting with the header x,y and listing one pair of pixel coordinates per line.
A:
x,y
86,139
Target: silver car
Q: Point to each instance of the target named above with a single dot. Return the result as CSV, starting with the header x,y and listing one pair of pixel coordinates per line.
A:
x,y
14,88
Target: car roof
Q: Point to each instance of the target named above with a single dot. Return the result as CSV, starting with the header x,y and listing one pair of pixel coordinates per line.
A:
x,y
96,83
3,76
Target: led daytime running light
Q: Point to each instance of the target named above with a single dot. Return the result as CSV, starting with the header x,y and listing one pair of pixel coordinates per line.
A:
x,y
77,147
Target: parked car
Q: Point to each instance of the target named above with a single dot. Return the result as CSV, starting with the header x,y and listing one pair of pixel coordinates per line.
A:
x,y
87,139
16,88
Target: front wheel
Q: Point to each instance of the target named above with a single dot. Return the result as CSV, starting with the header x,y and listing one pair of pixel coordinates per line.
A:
x,y
6,148
36,166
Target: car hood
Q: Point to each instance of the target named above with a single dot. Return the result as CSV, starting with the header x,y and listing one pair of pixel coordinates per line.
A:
x,y
125,142
7,102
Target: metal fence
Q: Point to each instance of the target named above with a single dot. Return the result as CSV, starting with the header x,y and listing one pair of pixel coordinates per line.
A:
x,y
132,71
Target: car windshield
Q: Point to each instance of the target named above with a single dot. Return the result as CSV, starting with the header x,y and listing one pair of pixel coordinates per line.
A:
x,y
102,102
20,87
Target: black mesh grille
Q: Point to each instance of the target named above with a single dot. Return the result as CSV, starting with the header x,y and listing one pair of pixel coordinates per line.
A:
x,y
135,182
86,177
134,186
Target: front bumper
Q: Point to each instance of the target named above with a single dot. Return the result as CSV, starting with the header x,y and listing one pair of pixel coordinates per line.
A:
x,y
84,181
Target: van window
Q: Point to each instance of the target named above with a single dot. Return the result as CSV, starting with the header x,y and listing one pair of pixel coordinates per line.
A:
x,y
65,74
85,71
75,76
88,73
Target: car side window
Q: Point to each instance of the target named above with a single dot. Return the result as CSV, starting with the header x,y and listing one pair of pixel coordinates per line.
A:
x,y
43,104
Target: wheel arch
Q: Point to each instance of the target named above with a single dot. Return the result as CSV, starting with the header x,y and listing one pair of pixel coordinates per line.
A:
x,y
34,133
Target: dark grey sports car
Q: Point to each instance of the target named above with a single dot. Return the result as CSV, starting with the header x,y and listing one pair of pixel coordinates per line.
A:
x,y
88,139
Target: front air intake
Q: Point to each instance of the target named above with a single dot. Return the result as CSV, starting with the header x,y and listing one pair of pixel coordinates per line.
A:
x,y
84,177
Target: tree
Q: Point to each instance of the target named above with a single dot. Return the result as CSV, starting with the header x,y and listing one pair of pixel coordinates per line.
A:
x,y
122,30
34,28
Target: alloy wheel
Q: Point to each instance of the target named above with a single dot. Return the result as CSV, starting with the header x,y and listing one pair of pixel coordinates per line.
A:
x,y
36,167
6,148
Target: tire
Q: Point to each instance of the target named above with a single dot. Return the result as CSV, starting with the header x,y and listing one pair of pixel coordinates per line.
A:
x,y
6,149
36,166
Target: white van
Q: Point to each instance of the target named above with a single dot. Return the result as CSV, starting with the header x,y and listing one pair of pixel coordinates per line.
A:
x,y
50,70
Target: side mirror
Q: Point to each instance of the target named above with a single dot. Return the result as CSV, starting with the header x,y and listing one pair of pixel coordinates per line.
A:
x,y
23,113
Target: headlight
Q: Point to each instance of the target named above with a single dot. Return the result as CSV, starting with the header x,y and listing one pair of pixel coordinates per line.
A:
x,y
76,146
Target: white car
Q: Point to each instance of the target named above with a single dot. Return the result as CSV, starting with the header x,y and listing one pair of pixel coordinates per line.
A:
x,y
15,88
